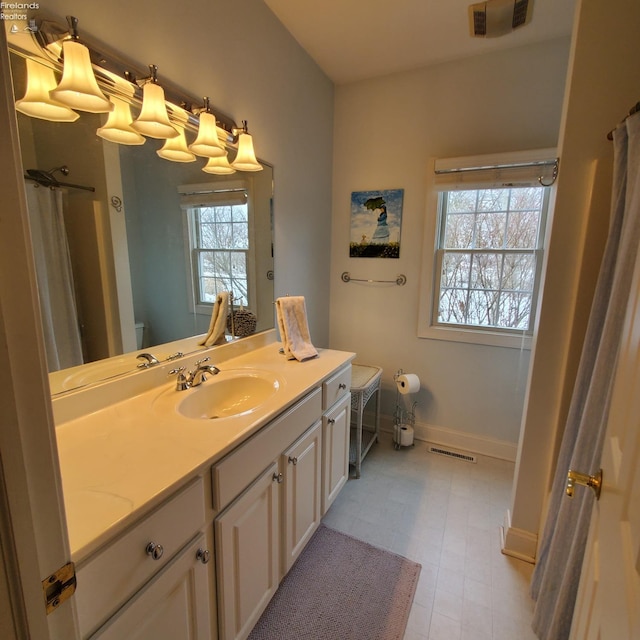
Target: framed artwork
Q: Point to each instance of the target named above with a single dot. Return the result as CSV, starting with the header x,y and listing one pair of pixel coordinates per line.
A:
x,y
376,219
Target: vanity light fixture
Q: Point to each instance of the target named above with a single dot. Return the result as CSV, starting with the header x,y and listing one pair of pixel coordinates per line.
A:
x,y
219,166
37,102
175,149
246,158
153,120
207,142
118,126
78,88
160,116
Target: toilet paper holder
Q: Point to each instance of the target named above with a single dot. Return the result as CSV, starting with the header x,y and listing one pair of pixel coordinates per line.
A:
x,y
403,420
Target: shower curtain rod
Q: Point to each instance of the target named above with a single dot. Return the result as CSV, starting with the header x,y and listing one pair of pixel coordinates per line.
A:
x,y
634,109
46,179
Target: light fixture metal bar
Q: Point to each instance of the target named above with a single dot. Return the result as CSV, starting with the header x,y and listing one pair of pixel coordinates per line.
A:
x,y
49,32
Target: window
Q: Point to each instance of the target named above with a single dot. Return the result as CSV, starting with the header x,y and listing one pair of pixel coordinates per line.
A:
x,y
489,251
219,235
487,245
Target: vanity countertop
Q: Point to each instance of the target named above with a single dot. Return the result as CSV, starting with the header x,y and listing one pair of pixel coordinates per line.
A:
x,y
127,456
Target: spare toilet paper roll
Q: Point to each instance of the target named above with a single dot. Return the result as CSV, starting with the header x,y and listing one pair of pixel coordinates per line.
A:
x,y
406,436
408,383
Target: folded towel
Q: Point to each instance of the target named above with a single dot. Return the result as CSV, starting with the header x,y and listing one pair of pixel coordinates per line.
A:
x,y
218,321
294,330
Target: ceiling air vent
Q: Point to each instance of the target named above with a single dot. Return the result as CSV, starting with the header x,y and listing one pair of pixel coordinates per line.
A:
x,y
495,18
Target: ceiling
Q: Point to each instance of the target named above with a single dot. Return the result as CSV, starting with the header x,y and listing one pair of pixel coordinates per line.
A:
x,y
353,40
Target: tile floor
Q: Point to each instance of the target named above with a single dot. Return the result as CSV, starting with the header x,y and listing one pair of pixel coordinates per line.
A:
x,y
445,514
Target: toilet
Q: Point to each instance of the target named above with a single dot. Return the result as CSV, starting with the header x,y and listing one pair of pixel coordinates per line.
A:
x,y
139,334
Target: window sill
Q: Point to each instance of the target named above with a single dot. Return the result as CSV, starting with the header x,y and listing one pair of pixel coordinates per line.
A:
x,y
487,338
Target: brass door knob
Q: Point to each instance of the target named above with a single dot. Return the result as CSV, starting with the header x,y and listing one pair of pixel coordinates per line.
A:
x,y
575,477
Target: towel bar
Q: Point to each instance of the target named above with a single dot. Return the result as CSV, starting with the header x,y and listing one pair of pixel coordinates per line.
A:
x,y
401,280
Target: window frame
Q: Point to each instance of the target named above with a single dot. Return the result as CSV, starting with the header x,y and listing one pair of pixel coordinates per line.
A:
x,y
428,326
213,191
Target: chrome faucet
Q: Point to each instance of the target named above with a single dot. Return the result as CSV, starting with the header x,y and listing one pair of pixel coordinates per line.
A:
x,y
196,377
148,360
199,374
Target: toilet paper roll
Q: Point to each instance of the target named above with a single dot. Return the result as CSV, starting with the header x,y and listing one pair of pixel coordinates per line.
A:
x,y
408,383
406,436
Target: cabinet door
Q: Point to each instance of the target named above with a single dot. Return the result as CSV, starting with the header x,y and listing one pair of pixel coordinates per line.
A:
x,y
302,467
175,604
335,450
247,555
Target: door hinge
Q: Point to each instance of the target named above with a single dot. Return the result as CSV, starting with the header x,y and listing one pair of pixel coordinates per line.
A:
x,y
59,586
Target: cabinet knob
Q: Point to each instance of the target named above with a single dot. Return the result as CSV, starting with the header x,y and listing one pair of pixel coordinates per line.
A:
x,y
293,461
278,477
331,420
154,550
203,555
342,385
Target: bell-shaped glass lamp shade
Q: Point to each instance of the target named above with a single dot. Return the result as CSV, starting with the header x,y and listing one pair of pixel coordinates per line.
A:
x,y
207,144
246,157
175,149
78,88
219,166
118,126
153,120
37,102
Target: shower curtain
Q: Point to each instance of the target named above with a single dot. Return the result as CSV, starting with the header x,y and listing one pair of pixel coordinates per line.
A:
x,y
54,276
557,573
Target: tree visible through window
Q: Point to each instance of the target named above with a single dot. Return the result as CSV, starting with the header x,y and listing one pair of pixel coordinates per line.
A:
x,y
489,250
220,251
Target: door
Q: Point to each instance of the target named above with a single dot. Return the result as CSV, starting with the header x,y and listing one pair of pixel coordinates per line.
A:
x,y
608,602
335,450
247,555
302,465
33,528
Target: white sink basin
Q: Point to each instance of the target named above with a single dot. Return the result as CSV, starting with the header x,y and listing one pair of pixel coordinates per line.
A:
x,y
225,395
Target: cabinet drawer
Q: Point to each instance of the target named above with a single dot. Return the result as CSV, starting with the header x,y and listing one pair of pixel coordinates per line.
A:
x,y
335,387
174,604
241,467
112,575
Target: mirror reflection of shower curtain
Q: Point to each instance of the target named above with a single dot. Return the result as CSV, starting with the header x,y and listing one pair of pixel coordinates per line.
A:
x,y
54,276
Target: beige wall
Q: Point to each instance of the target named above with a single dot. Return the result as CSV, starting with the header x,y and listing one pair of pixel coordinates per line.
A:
x,y
237,53
385,131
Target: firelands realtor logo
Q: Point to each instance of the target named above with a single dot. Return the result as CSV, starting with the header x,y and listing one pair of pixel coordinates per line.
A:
x,y
16,10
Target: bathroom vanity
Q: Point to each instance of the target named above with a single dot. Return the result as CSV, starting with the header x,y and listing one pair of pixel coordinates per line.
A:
x,y
185,509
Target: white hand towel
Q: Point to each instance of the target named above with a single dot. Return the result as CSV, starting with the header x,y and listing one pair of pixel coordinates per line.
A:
x,y
218,321
294,329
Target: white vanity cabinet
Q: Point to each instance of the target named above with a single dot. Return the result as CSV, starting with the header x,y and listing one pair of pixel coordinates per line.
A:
x,y
151,577
335,435
272,483
257,506
271,493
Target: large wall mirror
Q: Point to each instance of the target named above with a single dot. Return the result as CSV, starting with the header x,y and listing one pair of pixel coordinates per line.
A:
x,y
138,277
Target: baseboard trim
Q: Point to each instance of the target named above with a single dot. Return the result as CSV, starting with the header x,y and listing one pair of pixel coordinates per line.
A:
x,y
459,440
518,543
